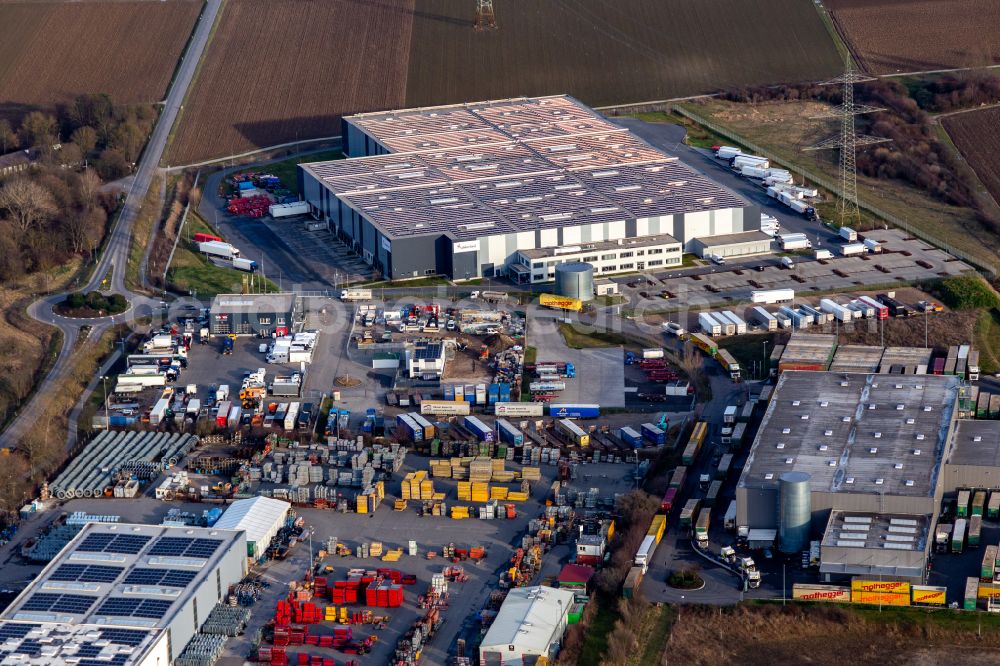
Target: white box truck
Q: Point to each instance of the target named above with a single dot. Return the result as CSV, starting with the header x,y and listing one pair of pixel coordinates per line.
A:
x,y
289,209
789,242
728,327
218,249
355,294
772,296
644,555
241,264
849,235
873,245
823,254
742,160
653,352
853,249
727,152
709,324
838,311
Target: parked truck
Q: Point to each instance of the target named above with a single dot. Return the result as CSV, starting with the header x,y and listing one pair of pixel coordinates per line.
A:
x,y
789,242
772,296
873,245
218,249
741,326
355,294
701,529
849,235
839,312
765,319
853,249
241,264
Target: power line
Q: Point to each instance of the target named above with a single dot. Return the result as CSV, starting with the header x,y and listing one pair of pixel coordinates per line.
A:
x,y
485,18
848,141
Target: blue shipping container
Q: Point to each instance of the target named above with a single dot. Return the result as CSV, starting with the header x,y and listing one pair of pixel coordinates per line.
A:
x,y
509,433
492,394
212,515
653,434
415,431
504,392
470,393
574,411
449,392
630,437
478,428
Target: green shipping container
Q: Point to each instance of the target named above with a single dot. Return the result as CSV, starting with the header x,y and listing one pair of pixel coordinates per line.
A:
x,y
975,529
989,563
993,507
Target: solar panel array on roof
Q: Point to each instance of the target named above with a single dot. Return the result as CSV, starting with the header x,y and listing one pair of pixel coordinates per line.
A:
x,y
29,647
152,609
184,547
116,660
86,573
132,637
10,630
102,542
167,577
428,352
76,604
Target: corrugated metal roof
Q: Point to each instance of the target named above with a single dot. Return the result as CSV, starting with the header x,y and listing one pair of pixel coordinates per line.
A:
x,y
259,517
529,619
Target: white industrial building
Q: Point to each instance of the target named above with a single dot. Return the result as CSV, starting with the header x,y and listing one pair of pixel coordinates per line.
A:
x,y
530,624
510,188
122,595
425,360
259,518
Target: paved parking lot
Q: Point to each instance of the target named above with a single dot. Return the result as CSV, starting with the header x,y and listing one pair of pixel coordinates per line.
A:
x,y
600,372
721,285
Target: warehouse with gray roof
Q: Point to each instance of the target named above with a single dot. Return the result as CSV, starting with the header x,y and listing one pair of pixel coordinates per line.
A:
x,y
513,187
124,594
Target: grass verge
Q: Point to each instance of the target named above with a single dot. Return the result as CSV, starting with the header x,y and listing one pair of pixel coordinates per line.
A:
x,y
580,340
653,633
192,272
434,281
987,340
595,642
147,217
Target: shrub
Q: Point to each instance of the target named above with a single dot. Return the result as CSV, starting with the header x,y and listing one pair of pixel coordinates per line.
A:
x,y
75,301
96,301
117,303
968,292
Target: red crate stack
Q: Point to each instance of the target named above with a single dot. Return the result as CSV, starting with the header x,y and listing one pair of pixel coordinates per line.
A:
x,y
345,592
283,614
319,586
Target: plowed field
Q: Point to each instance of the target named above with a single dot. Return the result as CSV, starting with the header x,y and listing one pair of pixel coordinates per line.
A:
x,y
977,136
889,36
52,51
288,69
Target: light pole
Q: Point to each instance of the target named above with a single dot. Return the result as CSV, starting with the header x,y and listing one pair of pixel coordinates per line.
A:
x,y
764,368
107,424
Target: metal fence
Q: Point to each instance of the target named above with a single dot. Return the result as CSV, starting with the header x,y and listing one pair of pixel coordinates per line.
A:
x,y
988,267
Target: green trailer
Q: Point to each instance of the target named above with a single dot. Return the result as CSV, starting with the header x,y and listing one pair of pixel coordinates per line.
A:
x,y
978,502
993,507
958,535
975,529
971,594
989,564
962,507
689,513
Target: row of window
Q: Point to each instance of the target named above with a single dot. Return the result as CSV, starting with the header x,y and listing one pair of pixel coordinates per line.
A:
x,y
619,268
611,256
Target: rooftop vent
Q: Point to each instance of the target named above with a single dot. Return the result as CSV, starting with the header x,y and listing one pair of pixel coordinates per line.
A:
x,y
846,419
789,461
824,403
899,386
845,383
780,445
909,483
900,408
878,435
874,449
796,403
898,466
879,482
849,480
916,452
768,476
927,408
805,417
920,437
871,405
910,421
977,438
828,433
823,447
786,431
832,463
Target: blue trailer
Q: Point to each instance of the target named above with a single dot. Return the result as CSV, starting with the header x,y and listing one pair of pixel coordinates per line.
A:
x,y
478,428
630,437
653,434
449,392
504,392
470,393
492,394
415,431
566,411
509,433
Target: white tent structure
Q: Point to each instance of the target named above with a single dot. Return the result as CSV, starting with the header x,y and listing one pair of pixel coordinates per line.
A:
x,y
530,623
259,517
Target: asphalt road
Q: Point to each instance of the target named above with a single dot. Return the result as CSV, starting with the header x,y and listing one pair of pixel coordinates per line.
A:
x,y
115,256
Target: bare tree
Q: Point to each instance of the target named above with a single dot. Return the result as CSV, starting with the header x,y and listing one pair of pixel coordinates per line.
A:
x,y
39,130
90,186
128,139
27,203
85,138
692,363
8,139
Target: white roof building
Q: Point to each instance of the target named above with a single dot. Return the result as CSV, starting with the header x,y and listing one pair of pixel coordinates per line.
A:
x,y
531,623
259,517
122,595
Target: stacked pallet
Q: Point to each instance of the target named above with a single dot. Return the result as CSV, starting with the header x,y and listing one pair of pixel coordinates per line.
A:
x,y
531,473
481,469
459,512
441,469
417,486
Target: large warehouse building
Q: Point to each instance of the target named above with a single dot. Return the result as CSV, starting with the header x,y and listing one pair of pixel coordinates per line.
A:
x,y
867,452
121,595
530,624
514,187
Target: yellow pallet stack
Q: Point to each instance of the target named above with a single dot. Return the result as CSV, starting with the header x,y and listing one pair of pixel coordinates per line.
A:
x,y
459,469
362,504
531,473
426,489
480,491
441,469
514,496
438,509
392,555
464,491
330,614
498,493
375,549
504,477
498,464
459,512
410,485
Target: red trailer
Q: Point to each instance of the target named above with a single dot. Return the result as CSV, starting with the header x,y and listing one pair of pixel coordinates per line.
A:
x,y
206,238
667,503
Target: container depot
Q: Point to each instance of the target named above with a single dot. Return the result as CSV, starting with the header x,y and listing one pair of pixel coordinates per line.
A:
x,y
835,593
569,411
630,437
478,428
573,432
653,434
508,433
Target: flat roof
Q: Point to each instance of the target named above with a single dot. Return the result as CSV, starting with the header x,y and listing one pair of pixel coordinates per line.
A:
x,y
851,529
83,645
857,433
529,619
909,357
239,303
976,442
856,358
536,163
735,239
808,348
602,246
123,575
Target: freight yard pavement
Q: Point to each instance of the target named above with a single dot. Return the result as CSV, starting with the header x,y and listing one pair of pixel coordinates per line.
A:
x,y
600,372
